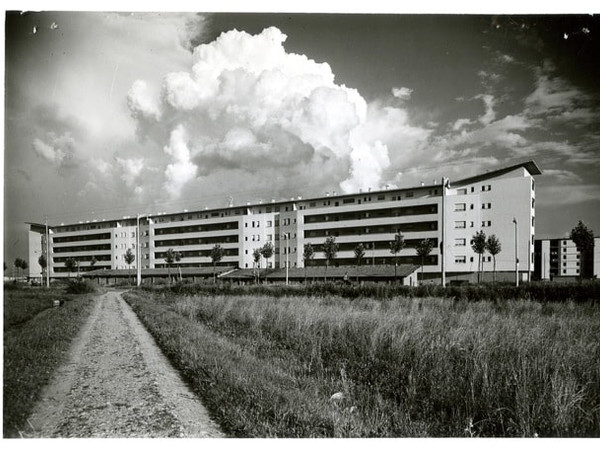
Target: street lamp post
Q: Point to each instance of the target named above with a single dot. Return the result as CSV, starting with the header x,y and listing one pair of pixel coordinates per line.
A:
x,y
138,253
287,257
47,254
516,253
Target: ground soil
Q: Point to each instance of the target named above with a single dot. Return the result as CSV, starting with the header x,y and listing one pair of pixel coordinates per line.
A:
x,y
117,383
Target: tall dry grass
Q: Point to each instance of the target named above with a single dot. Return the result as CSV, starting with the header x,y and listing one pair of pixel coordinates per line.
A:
x,y
405,367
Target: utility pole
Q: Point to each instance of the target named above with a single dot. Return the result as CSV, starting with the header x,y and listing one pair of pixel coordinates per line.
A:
x,y
443,243
47,253
138,253
516,253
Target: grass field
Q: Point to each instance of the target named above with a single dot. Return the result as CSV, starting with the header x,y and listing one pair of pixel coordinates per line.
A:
x,y
37,337
329,366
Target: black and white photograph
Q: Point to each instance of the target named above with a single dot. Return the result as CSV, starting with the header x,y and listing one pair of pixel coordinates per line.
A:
x,y
301,221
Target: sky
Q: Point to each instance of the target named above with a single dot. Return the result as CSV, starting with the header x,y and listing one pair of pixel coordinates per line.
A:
x,y
114,114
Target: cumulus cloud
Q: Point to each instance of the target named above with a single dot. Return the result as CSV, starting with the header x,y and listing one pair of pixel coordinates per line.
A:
x,y
245,100
131,168
182,169
59,151
488,102
141,101
402,93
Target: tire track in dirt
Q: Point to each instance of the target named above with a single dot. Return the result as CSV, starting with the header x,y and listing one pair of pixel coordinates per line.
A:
x,y
117,383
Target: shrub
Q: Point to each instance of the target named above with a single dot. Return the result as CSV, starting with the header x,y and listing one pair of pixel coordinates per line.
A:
x,y
80,286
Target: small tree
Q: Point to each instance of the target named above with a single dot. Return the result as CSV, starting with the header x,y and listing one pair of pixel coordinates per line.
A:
x,y
129,259
170,256
216,255
93,262
359,254
267,251
177,260
396,247
424,248
71,265
43,263
330,249
478,244
493,246
583,237
24,264
256,255
18,262
307,255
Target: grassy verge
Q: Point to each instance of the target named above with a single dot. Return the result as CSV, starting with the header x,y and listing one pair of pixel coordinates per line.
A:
x,y
586,291
269,366
37,338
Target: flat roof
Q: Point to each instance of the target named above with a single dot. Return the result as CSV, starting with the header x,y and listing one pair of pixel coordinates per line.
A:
x,y
530,166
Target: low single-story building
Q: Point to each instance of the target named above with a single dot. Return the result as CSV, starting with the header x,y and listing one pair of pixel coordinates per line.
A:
x,y
155,276
405,274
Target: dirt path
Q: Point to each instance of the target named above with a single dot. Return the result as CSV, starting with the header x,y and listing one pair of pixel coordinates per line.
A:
x,y
117,383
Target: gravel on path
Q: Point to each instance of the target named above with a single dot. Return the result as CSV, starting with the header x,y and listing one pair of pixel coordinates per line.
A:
x,y
117,383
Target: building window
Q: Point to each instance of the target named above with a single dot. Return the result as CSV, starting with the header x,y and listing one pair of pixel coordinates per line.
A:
x,y
269,237
533,221
410,195
460,259
269,223
460,242
460,224
460,207
486,205
461,191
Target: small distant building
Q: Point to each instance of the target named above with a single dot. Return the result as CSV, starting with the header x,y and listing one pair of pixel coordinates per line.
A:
x,y
558,259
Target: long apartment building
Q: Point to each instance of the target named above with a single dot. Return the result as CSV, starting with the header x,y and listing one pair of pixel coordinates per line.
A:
x,y
448,212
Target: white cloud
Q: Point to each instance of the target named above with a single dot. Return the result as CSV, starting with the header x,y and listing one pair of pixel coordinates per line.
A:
x,y
488,102
556,98
141,101
245,97
461,123
402,93
182,169
131,168
58,150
